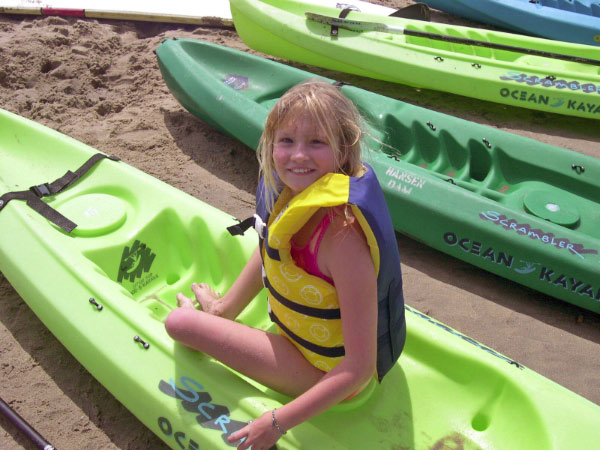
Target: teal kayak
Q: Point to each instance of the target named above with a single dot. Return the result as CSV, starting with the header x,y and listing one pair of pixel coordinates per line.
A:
x,y
564,20
528,72
105,287
513,206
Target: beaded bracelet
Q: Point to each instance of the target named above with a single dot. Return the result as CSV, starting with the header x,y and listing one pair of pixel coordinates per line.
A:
x,y
276,424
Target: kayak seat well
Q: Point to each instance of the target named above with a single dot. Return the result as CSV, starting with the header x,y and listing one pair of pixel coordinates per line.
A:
x,y
477,393
440,153
166,255
504,175
453,47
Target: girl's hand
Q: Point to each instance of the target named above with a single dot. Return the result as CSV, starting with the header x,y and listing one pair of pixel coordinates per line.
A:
x,y
206,297
259,434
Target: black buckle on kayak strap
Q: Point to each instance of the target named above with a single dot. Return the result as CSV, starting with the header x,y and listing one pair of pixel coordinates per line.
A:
x,y
34,195
334,28
42,190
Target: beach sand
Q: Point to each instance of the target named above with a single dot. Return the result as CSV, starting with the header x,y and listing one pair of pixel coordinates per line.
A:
x,y
98,82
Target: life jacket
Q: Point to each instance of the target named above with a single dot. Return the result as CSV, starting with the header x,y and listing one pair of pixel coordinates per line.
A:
x,y
305,307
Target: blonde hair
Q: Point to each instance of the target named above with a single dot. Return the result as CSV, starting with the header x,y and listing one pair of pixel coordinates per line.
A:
x,y
331,111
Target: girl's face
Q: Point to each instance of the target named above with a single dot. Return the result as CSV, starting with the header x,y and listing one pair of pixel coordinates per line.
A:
x,y
301,153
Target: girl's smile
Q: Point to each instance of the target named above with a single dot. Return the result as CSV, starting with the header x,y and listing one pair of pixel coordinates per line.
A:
x,y
302,154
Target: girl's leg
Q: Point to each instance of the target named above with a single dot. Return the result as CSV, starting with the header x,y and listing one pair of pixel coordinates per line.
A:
x,y
270,359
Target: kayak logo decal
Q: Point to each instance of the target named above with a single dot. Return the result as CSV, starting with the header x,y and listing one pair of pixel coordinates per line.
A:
x,y
527,268
569,283
403,181
195,399
476,248
237,82
550,82
135,260
525,229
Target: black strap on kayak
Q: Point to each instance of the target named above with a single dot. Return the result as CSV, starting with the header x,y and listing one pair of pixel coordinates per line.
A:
x,y
33,196
343,13
340,84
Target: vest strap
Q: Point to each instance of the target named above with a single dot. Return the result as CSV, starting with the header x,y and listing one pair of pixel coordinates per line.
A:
x,y
251,222
33,196
321,313
329,352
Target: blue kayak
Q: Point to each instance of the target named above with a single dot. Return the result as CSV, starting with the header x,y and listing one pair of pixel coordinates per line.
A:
x,y
562,20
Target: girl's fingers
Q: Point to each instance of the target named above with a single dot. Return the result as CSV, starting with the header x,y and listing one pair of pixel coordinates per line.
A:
x,y
239,434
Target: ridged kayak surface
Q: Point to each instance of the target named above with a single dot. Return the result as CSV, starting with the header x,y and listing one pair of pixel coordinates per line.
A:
x,y
563,20
139,241
519,208
523,77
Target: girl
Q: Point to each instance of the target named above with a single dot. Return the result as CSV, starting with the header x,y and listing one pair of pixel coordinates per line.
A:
x,y
329,259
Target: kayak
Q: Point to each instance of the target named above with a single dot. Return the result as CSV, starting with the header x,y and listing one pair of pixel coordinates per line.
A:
x,y
523,71
213,13
564,20
514,206
105,287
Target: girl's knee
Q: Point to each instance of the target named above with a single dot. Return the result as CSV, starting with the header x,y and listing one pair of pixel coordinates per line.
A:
x,y
178,322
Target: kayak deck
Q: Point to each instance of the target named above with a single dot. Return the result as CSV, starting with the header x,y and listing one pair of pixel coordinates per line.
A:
x,y
535,73
132,259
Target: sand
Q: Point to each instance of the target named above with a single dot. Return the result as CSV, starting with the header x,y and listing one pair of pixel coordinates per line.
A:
x,y
98,81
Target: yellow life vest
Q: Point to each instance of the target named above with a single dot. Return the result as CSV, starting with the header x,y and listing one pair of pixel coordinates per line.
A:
x,y
305,307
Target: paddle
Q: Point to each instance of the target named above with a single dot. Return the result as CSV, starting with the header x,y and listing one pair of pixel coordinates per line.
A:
x,y
24,427
359,25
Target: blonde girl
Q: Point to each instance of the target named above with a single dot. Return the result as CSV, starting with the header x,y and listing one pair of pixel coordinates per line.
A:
x,y
330,262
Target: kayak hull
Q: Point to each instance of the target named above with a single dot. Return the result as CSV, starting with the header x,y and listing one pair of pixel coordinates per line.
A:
x,y
446,387
513,78
468,190
563,20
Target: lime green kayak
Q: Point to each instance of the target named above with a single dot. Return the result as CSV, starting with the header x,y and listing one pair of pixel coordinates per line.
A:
x,y
105,288
516,70
514,206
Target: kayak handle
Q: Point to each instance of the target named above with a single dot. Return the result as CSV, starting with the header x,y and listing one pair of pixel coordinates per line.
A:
x,y
95,303
141,341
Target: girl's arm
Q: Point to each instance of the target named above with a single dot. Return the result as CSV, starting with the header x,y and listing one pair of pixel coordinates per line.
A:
x,y
247,286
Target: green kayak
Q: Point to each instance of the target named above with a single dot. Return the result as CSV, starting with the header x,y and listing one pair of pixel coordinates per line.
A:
x,y
516,70
105,288
514,206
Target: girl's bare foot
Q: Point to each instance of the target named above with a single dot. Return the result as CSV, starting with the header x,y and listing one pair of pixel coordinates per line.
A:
x,y
184,302
205,295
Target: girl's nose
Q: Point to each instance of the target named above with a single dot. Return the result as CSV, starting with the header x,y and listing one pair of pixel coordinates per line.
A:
x,y
299,152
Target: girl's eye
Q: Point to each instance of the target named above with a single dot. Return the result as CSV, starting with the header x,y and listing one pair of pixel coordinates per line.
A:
x,y
318,142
